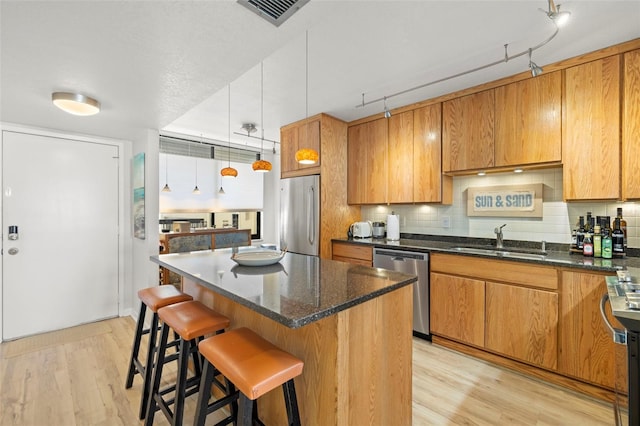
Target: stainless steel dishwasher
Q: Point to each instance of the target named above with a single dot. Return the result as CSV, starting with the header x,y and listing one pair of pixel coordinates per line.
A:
x,y
414,263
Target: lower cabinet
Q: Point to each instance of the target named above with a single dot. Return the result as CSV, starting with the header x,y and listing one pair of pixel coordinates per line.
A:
x,y
352,253
587,351
538,319
522,323
457,308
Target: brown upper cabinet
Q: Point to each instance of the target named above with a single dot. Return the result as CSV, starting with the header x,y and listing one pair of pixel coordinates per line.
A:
x,y
591,139
631,127
429,185
301,134
401,163
528,121
367,162
467,132
398,160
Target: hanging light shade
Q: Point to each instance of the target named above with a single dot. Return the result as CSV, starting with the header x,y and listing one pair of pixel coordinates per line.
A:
x,y
166,174
260,165
307,156
229,172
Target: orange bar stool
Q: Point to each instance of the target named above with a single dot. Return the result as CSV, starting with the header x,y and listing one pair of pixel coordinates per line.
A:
x,y
192,321
153,298
253,365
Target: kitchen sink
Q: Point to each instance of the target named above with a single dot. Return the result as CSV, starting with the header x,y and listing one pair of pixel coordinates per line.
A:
x,y
516,253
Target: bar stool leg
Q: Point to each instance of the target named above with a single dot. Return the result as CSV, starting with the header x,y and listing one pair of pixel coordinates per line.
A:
x,y
153,335
246,411
136,347
291,402
181,382
157,376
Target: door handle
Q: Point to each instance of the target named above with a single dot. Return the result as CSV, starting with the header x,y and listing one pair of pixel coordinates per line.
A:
x,y
13,251
619,336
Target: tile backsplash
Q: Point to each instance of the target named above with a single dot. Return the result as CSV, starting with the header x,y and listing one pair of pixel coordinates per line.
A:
x,y
558,217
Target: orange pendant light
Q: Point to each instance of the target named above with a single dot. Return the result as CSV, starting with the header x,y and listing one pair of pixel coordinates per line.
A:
x,y
262,166
229,172
307,155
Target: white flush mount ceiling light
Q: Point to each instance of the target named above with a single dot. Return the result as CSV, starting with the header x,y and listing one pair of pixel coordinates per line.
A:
x,y
75,103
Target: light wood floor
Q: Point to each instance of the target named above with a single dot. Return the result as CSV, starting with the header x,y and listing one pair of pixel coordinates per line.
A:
x,y
79,378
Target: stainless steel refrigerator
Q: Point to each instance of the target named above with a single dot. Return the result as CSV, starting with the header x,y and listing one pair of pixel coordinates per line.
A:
x,y
300,214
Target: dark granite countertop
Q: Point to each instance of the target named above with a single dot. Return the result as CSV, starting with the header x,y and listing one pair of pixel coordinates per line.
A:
x,y
295,292
557,254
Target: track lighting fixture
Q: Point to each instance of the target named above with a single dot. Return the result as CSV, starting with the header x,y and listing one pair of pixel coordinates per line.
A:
x,y
554,13
559,18
387,113
535,69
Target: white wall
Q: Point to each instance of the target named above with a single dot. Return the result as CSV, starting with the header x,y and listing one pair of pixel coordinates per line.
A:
x,y
271,210
245,192
145,272
555,225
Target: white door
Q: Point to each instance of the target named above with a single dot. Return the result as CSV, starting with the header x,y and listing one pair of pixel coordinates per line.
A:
x,y
63,197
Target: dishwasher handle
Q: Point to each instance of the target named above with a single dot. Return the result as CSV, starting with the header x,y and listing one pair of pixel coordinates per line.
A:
x,y
400,255
619,336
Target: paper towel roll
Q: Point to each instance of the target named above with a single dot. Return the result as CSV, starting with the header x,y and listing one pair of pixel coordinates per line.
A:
x,y
393,227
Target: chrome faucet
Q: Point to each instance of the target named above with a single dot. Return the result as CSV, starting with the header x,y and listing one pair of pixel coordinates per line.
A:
x,y
498,231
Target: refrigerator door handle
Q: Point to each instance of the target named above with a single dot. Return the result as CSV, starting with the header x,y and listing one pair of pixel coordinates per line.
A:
x,y
311,215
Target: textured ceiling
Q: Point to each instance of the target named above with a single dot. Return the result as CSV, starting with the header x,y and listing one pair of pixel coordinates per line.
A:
x,y
167,64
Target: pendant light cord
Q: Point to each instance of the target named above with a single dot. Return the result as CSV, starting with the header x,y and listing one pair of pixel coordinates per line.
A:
x,y
307,74
261,106
229,122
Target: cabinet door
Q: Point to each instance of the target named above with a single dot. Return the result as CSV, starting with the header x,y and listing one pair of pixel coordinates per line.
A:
x,y
288,147
305,134
523,323
367,163
457,308
587,350
401,155
631,127
428,185
467,132
528,121
591,150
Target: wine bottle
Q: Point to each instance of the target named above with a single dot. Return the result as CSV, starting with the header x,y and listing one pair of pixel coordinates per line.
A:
x,y
607,244
623,226
587,245
580,233
617,239
597,241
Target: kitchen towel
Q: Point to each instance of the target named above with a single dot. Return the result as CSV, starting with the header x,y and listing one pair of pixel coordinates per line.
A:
x,y
393,227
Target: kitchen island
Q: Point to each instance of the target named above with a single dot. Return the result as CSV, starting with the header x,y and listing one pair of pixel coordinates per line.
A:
x,y
350,324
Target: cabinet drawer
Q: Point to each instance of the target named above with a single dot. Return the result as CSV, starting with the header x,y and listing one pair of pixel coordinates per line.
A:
x,y
496,270
352,251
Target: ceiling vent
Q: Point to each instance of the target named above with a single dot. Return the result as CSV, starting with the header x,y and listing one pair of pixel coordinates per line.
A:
x,y
274,11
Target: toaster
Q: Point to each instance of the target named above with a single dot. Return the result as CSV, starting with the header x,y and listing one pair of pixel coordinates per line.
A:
x,y
361,229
